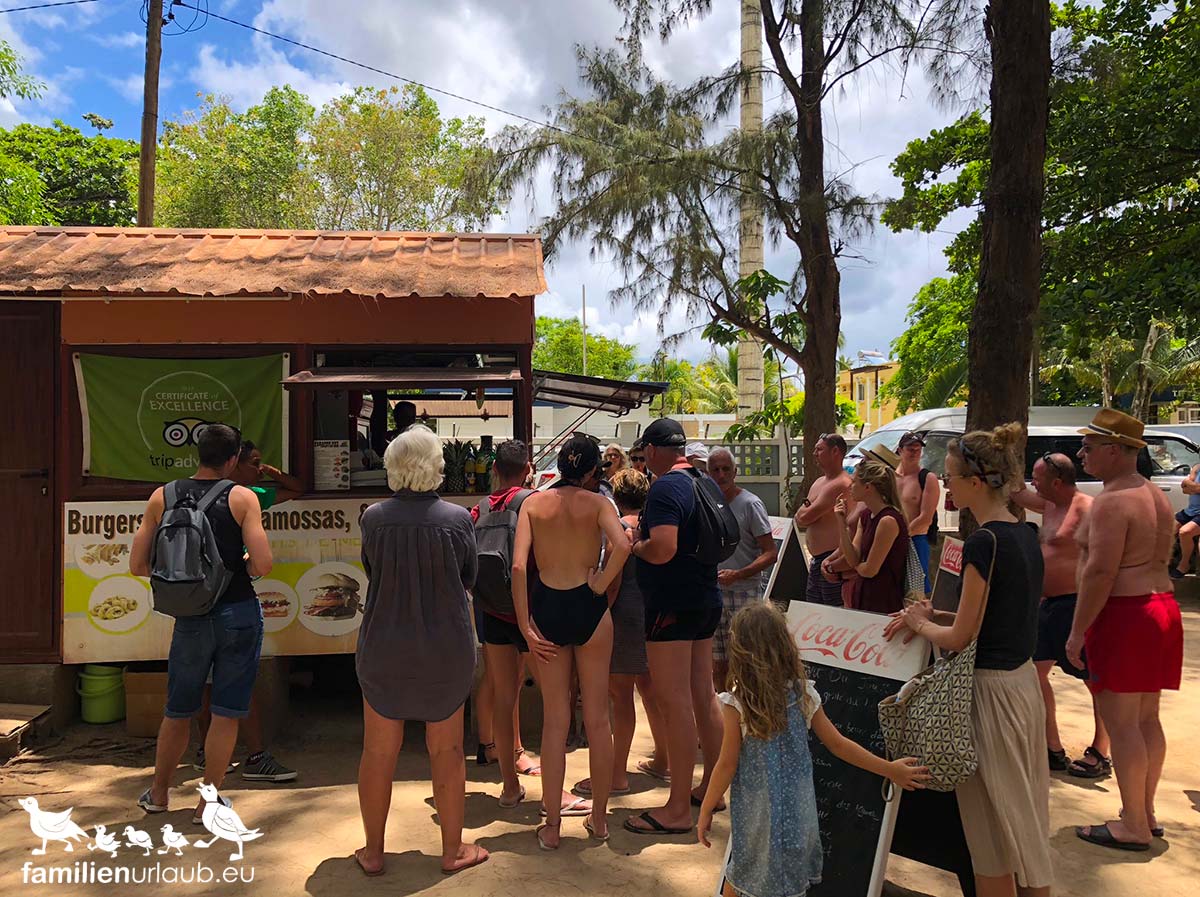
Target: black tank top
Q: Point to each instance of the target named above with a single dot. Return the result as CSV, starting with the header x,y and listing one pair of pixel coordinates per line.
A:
x,y
229,539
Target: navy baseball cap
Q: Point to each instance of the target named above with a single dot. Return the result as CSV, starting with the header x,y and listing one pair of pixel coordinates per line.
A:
x,y
664,432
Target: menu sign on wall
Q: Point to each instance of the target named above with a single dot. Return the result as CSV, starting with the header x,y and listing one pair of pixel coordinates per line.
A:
x,y
312,599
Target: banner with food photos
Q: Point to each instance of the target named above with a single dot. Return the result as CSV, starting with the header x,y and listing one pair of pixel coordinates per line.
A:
x,y
312,599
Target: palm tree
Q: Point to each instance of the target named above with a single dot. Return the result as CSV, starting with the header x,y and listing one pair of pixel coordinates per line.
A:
x,y
682,389
717,382
1118,366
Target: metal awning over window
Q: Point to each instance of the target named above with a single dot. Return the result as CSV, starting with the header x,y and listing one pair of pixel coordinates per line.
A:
x,y
403,378
595,393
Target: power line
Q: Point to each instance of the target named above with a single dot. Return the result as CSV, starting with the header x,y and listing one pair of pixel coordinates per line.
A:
x,y
45,5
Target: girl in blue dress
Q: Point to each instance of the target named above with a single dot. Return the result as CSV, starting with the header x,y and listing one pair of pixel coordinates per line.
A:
x,y
776,842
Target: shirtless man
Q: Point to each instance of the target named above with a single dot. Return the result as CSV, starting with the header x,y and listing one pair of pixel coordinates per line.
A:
x,y
919,496
1189,524
1063,508
822,533
1128,618
564,617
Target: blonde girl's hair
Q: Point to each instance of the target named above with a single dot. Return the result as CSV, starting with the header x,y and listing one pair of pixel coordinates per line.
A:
x,y
993,456
764,667
883,478
615,446
629,488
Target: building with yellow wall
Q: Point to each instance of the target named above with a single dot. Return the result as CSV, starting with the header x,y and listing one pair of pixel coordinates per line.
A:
x,y
861,384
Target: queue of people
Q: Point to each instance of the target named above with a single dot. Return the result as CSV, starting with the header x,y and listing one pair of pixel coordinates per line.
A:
x,y
606,592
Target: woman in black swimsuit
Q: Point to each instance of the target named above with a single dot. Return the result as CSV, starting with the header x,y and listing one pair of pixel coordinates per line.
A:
x,y
562,610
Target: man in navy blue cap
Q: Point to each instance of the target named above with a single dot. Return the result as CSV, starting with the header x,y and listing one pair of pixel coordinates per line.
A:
x,y
683,608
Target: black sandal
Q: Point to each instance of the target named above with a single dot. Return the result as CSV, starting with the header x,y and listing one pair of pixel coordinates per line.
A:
x,y
481,758
1100,769
1059,761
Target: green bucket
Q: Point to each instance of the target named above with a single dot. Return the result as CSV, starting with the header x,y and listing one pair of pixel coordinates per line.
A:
x,y
102,669
102,698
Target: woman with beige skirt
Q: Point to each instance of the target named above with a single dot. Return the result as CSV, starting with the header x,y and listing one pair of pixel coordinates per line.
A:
x,y
1005,805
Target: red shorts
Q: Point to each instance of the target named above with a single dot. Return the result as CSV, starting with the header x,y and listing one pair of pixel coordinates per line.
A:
x,y
1136,645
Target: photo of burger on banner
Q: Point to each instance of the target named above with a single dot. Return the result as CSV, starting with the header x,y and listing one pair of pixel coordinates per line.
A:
x,y
331,598
279,604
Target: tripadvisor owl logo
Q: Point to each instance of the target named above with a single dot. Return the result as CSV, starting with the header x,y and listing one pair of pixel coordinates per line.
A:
x,y
174,410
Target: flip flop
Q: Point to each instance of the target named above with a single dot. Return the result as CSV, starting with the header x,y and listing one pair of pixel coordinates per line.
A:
x,y
656,827
719,808
587,824
1099,834
586,791
364,870
510,805
572,808
1157,832
645,768
478,861
535,770
542,844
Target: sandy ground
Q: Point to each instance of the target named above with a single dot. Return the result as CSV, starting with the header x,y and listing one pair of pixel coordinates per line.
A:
x,y
312,826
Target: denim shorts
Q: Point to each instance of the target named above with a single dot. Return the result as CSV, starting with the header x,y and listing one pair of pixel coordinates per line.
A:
x,y
225,641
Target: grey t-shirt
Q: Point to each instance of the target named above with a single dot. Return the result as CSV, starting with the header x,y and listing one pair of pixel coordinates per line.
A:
x,y
751,516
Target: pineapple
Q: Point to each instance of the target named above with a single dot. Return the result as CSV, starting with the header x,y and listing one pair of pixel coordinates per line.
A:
x,y
455,455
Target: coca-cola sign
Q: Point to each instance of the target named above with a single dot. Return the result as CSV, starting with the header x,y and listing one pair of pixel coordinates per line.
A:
x,y
951,560
853,640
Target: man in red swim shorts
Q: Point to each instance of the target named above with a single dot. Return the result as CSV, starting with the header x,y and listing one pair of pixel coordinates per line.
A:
x,y
1129,621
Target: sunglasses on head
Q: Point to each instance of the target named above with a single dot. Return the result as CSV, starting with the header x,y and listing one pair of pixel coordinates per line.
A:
x,y
1048,460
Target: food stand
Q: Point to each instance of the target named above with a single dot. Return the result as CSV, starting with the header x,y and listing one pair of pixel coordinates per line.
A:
x,y
121,344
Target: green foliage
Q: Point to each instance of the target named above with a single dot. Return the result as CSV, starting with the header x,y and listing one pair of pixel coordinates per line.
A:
x,y
559,347
682,395
370,160
716,382
1122,209
385,160
933,350
13,83
220,168
790,413
84,180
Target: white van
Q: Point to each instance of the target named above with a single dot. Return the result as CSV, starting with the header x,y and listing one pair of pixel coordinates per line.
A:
x,y
1168,460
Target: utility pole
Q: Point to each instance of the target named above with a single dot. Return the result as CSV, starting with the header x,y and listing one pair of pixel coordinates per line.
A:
x,y
750,243
584,288
154,23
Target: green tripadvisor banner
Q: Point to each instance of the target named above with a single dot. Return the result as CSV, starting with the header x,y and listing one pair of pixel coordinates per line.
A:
x,y
142,416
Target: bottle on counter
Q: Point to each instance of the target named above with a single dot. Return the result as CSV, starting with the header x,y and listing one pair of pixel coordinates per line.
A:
x,y
469,469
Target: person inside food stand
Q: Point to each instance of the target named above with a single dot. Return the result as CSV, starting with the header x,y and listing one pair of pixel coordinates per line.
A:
x,y
415,657
227,640
404,414
564,615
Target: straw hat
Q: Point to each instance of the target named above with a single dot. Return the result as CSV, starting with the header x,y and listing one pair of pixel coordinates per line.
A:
x,y
883,455
1116,427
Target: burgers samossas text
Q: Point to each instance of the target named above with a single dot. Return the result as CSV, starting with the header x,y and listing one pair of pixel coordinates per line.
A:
x,y
335,596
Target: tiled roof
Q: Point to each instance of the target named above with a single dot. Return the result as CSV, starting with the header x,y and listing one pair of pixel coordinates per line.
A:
x,y
154,261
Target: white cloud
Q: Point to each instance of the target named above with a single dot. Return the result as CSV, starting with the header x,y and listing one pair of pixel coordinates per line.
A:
x,y
132,87
125,40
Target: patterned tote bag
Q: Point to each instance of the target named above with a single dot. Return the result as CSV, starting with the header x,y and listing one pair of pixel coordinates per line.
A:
x,y
930,717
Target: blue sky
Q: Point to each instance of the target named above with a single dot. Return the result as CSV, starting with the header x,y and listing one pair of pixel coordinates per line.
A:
x,y
516,54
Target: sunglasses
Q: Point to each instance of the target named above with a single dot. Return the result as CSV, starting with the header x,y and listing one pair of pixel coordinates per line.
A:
x,y
636,459
1048,460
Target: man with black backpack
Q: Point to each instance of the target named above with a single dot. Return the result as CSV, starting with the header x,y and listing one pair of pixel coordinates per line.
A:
x,y
686,530
200,542
495,619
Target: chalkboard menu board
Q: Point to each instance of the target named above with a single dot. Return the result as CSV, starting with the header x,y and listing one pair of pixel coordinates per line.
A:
x,y
789,577
850,803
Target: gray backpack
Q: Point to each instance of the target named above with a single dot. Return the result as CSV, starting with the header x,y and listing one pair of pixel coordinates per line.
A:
x,y
494,534
187,575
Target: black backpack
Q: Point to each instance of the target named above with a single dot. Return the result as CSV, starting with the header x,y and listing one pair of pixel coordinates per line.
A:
x,y
717,530
187,575
494,535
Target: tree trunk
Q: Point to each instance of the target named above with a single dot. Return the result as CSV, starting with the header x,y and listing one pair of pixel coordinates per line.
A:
x,y
750,237
1143,391
1001,333
822,281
